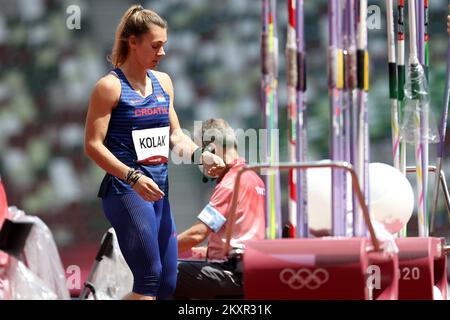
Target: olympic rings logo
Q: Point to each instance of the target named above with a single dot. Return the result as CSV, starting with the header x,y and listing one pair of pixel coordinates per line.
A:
x,y
311,280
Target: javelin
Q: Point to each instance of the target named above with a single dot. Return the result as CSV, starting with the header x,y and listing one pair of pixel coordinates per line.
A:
x,y
401,78
291,71
269,82
441,145
335,86
350,108
302,192
393,83
421,123
362,121
426,38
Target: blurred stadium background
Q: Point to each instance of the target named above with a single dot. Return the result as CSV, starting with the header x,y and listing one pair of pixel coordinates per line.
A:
x,y
47,72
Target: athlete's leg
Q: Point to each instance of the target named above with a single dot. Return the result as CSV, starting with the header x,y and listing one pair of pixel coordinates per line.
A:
x,y
134,221
168,249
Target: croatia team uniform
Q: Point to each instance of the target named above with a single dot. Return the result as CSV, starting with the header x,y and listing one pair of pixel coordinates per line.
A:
x,y
138,135
249,223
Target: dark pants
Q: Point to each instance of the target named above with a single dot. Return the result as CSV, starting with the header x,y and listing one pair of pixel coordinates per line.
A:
x,y
208,280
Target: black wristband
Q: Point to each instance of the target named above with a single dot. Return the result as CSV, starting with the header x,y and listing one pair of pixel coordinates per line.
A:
x,y
135,178
129,175
196,155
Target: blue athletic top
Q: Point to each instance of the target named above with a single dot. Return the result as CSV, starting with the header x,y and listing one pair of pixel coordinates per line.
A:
x,y
134,112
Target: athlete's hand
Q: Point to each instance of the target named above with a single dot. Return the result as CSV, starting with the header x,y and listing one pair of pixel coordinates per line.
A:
x,y
448,24
212,164
148,189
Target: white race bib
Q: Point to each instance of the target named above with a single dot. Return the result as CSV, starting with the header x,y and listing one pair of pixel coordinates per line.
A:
x,y
151,145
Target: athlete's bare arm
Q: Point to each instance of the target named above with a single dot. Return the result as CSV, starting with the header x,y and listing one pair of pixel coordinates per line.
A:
x,y
180,143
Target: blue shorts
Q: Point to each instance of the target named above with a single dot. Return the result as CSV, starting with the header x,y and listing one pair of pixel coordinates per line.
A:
x,y
147,238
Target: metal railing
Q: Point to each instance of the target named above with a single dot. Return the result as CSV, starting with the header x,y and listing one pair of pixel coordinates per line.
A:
x,y
441,177
301,166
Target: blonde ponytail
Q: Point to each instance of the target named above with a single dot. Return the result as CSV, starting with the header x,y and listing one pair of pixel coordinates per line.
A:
x,y
135,22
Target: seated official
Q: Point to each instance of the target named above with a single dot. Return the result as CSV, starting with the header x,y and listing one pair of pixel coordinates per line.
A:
x,y
216,277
